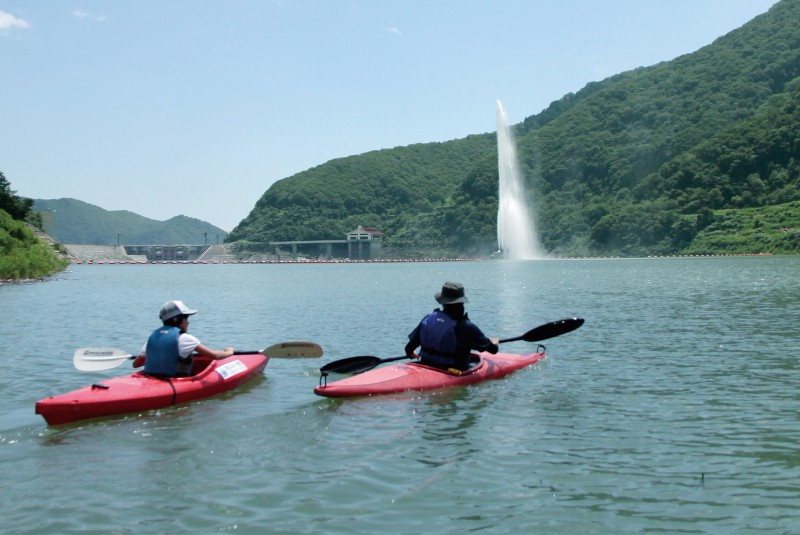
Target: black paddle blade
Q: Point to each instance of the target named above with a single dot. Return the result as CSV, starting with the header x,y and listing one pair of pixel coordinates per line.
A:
x,y
552,329
351,365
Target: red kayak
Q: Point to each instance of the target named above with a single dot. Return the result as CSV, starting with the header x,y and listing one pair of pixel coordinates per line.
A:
x,y
415,376
138,392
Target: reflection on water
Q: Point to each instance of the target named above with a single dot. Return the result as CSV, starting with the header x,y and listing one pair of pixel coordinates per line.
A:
x,y
445,424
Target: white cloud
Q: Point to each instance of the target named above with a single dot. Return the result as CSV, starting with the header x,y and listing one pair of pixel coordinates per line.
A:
x,y
83,14
7,20
394,30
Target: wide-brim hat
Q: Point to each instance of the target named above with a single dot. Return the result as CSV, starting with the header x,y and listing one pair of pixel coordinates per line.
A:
x,y
170,309
452,293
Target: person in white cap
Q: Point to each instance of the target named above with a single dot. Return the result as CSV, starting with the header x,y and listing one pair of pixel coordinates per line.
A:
x,y
170,349
446,335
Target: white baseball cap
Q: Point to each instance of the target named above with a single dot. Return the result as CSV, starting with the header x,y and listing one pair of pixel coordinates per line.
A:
x,y
170,309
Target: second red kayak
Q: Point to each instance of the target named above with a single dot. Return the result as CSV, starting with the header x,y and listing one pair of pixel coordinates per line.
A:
x,y
415,376
138,392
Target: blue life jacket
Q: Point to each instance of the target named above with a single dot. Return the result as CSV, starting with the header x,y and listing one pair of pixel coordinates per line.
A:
x,y
162,352
438,339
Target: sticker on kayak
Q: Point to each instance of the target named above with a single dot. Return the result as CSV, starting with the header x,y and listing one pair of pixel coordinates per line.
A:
x,y
232,368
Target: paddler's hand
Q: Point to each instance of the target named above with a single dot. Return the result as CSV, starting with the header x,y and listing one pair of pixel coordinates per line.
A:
x,y
495,341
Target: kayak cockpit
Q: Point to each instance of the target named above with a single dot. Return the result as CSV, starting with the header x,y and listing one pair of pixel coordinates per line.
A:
x,y
201,366
475,363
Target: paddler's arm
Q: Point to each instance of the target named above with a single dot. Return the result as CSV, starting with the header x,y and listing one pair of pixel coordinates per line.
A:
x,y
478,341
490,345
205,351
138,362
413,343
410,347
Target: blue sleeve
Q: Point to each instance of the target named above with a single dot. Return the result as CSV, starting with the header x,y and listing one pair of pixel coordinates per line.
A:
x,y
413,336
413,341
475,339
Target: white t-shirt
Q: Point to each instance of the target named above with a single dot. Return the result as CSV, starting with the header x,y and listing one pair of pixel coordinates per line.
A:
x,y
187,344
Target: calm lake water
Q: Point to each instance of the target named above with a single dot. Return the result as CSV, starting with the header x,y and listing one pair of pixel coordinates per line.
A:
x,y
674,409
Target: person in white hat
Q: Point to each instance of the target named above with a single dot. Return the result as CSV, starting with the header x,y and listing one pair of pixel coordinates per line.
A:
x,y
170,349
446,335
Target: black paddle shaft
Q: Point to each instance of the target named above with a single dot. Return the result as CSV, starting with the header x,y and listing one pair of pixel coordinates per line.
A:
x,y
548,330
355,364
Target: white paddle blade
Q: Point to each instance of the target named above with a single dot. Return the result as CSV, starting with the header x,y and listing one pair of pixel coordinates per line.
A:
x,y
90,359
293,350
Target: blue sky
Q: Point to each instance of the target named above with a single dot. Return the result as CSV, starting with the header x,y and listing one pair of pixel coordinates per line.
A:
x,y
197,107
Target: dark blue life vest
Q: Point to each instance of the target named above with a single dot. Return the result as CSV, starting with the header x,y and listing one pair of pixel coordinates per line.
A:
x,y
438,339
162,352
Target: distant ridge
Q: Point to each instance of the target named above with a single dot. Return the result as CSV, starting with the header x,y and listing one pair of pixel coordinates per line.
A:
x,y
77,222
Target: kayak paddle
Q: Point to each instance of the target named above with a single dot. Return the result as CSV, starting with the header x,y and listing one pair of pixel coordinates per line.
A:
x,y
367,362
91,359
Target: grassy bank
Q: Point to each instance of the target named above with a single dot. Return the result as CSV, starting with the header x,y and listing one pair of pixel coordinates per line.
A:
x,y
22,254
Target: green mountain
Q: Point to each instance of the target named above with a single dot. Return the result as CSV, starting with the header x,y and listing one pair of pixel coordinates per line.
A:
x,y
73,221
386,189
682,156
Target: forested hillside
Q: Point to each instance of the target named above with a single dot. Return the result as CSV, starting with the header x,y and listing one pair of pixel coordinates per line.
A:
x,y
682,156
387,189
22,254
73,221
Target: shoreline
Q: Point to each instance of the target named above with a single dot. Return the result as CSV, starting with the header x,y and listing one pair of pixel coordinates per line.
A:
x,y
406,260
